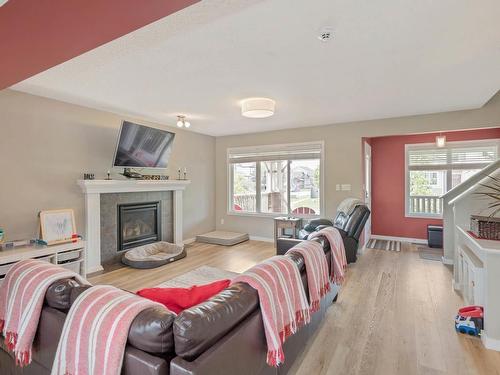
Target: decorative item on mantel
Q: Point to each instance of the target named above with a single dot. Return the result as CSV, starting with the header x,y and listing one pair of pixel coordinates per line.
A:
x,y
184,174
88,176
155,177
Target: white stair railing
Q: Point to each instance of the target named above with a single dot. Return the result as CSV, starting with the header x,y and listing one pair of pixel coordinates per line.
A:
x,y
421,204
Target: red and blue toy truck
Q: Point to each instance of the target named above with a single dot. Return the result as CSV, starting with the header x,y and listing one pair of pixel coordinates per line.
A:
x,y
469,320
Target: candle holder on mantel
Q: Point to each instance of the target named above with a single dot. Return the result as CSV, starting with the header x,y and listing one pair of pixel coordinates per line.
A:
x,y
184,174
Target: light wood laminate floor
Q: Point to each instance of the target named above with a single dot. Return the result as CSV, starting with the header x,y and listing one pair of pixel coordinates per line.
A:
x,y
394,314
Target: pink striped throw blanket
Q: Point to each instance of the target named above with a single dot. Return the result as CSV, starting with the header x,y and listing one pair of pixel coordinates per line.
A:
x,y
316,268
95,331
339,260
21,299
283,302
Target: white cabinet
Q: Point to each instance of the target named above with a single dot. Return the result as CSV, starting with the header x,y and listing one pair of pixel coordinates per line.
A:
x,y
470,276
476,278
69,255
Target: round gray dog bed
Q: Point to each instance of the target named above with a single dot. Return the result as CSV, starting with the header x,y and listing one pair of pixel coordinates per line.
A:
x,y
153,255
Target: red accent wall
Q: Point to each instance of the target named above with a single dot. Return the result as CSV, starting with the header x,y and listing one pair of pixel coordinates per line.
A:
x,y
37,35
388,181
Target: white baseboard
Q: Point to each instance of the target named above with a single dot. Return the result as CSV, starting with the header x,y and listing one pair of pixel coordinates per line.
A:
x,y
263,239
402,239
447,261
489,343
189,241
94,269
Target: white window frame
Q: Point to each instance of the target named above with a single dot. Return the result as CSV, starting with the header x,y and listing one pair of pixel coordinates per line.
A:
x,y
416,146
230,207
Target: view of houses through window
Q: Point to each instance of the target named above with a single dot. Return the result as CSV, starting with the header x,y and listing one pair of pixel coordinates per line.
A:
x,y
288,182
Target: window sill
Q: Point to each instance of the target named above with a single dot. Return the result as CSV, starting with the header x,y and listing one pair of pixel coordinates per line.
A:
x,y
269,215
424,216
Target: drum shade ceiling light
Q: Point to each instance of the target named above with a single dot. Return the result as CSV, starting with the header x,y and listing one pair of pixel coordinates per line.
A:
x,y
257,107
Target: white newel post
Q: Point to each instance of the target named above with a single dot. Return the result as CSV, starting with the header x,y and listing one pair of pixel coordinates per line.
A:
x,y
93,190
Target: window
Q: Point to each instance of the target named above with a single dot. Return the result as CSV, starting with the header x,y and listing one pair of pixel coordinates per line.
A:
x,y
276,180
244,191
432,171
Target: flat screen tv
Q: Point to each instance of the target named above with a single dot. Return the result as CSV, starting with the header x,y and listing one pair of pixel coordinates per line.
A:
x,y
140,146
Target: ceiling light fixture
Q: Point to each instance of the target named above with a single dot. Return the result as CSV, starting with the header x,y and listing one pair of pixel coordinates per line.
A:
x,y
441,140
182,123
257,107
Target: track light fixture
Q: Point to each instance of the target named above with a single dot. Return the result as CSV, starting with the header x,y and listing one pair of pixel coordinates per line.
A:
x,y
182,123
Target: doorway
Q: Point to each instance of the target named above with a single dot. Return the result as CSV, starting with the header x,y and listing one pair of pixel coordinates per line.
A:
x,y
368,189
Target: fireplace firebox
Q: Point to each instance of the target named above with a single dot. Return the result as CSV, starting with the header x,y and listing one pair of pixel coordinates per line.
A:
x,y
138,224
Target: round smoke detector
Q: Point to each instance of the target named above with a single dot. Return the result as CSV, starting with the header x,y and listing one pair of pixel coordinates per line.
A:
x,y
325,33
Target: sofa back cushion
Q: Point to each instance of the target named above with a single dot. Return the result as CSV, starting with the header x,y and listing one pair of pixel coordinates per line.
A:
x,y
151,330
198,328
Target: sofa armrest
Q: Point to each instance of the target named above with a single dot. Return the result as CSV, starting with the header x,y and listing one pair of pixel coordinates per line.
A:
x,y
285,244
313,224
319,227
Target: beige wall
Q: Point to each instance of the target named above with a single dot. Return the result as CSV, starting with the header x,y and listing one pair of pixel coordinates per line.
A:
x,y
46,145
342,155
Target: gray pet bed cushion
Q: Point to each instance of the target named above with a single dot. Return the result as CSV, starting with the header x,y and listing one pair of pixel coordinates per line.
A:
x,y
222,238
153,255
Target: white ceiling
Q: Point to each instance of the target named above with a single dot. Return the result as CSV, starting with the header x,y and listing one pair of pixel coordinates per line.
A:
x,y
388,58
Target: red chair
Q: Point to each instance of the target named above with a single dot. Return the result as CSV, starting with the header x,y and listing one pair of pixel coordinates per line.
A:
x,y
304,211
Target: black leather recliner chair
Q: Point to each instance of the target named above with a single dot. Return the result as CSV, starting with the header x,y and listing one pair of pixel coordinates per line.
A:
x,y
350,227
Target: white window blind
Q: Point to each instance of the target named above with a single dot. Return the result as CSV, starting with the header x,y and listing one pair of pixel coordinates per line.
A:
x,y
462,157
474,155
427,157
275,152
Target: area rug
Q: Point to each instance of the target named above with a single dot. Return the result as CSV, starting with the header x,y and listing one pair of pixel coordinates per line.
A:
x,y
198,276
384,245
429,253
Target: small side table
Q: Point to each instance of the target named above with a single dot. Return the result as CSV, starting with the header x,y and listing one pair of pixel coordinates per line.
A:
x,y
281,223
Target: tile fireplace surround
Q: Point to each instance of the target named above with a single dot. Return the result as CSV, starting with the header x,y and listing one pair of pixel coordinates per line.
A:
x,y
93,190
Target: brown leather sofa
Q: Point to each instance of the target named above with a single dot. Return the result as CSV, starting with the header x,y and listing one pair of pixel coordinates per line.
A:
x,y
223,335
149,348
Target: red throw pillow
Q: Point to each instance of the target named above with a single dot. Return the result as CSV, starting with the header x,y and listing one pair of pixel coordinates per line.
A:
x,y
179,299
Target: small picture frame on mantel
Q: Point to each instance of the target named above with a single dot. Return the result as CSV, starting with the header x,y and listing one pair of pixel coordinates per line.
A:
x,y
57,226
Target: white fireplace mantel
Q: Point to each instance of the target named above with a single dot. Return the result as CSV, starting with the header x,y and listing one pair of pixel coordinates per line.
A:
x,y
93,190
